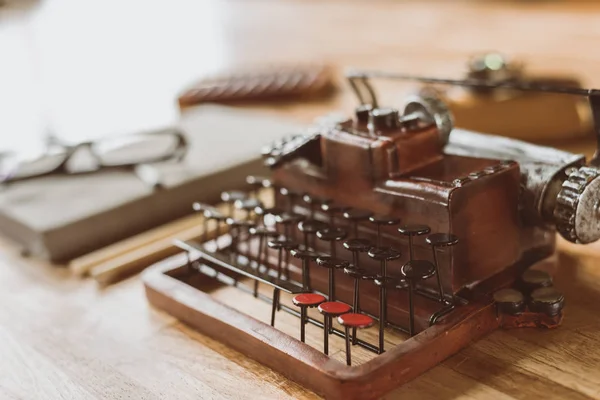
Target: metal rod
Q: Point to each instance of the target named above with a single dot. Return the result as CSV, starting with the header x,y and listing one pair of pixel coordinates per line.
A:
x,y
279,262
411,315
348,356
275,302
381,318
287,265
326,335
331,295
305,273
477,83
437,273
302,319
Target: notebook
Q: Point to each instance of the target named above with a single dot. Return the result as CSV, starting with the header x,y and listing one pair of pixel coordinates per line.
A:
x,y
62,217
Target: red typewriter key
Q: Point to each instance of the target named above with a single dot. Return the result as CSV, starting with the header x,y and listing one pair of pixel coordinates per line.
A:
x,y
357,274
354,321
304,301
329,310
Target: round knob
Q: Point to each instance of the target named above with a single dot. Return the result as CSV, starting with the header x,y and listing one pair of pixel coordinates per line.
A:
x,y
362,113
493,67
577,213
384,119
432,109
509,301
546,300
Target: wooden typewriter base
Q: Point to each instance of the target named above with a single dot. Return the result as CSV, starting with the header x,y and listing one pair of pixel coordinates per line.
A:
x,y
166,289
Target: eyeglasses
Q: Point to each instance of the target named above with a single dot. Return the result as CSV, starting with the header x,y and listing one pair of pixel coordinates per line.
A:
x,y
126,152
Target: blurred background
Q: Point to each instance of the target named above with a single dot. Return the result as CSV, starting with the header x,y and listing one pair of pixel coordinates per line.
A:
x,y
84,69
80,70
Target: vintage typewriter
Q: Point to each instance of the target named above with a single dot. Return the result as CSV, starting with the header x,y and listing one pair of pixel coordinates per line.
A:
x,y
382,244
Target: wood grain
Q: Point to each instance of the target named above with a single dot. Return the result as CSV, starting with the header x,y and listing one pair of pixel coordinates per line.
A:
x,y
82,265
61,337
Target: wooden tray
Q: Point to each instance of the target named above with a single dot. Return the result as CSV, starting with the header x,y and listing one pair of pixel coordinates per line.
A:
x,y
168,288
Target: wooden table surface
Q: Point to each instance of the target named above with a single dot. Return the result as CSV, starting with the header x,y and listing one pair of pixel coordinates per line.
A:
x,y
84,69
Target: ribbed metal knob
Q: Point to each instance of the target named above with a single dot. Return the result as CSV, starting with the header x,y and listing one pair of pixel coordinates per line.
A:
x,y
577,213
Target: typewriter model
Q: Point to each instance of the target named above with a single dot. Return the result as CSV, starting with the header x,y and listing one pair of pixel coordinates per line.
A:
x,y
389,238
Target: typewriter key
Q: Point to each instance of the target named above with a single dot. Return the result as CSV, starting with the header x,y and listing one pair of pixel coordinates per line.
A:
x,y
413,230
257,183
275,304
304,301
263,212
330,309
332,264
547,300
380,220
208,212
314,202
235,230
247,205
230,197
331,235
213,215
414,271
533,279
262,233
357,246
280,245
355,215
357,274
310,227
437,240
383,255
288,220
332,209
509,301
306,256
291,196
354,321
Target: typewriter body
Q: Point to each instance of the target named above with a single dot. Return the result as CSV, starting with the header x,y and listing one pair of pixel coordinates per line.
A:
x,y
411,238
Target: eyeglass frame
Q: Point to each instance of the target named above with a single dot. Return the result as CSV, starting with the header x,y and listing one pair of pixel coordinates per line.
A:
x,y
178,153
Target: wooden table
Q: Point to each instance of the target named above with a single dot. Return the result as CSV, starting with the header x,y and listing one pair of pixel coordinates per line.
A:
x,y
88,68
